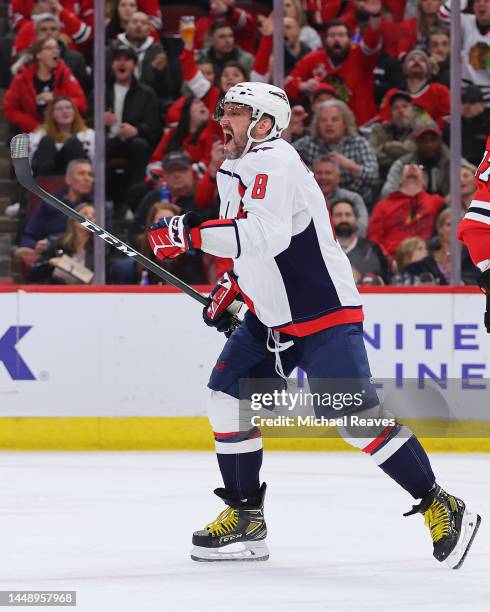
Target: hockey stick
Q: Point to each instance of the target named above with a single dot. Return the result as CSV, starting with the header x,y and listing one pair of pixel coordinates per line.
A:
x,y
19,151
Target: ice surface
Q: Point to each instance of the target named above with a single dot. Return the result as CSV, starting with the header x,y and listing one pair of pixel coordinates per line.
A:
x,y
116,527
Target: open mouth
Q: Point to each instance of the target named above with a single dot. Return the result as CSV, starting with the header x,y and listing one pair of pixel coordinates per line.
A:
x,y
228,137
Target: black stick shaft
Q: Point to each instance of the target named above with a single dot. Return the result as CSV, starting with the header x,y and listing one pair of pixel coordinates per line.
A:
x,y
19,147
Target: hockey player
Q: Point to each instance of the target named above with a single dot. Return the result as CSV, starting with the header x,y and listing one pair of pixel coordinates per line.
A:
x,y
474,229
303,310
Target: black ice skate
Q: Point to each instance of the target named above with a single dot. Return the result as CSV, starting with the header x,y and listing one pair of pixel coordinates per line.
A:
x,y
237,534
452,526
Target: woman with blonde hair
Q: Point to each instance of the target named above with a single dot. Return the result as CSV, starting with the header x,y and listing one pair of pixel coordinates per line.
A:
x,y
410,250
437,265
309,36
62,138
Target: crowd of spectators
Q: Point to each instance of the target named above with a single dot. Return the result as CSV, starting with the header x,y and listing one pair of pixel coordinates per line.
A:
x,y
368,82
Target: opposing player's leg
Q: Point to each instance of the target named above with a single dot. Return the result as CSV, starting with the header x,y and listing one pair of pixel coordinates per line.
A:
x,y
394,447
239,532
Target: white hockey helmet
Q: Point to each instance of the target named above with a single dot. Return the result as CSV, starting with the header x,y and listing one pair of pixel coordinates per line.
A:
x,y
263,99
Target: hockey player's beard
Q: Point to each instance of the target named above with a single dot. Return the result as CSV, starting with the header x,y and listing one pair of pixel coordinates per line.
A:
x,y
237,147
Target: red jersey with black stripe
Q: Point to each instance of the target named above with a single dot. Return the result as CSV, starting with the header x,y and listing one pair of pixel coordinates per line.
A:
x,y
474,229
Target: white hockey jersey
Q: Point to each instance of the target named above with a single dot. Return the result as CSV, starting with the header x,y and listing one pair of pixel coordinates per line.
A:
x,y
275,225
475,51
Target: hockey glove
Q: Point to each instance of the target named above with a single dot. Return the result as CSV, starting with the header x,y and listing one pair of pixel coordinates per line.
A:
x,y
172,236
484,282
224,302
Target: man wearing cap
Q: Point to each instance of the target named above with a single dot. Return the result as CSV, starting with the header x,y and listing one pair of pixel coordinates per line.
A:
x,y
431,154
475,124
132,116
394,138
181,183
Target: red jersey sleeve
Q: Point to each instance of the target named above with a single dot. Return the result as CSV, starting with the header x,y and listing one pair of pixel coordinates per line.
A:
x,y
474,229
157,154
263,55
206,190
303,71
19,12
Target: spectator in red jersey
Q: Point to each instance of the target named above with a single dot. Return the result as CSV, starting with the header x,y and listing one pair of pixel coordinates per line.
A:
x,y
69,24
432,97
23,17
222,49
48,26
153,68
21,11
430,154
308,35
334,133
409,211
38,84
438,48
348,67
415,31
396,8
195,133
225,11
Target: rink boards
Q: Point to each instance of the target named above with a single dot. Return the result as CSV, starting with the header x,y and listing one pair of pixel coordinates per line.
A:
x,y
126,368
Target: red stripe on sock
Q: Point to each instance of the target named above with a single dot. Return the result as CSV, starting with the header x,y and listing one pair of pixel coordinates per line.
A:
x,y
372,446
225,435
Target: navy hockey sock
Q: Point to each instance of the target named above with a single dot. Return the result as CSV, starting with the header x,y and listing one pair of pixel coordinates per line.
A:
x,y
240,473
410,467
